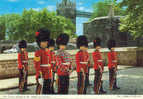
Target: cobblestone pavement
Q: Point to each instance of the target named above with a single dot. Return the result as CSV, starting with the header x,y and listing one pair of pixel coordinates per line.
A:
x,y
129,80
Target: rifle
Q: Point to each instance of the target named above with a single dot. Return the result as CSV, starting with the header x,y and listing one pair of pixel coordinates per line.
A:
x,y
114,77
100,81
52,80
81,90
23,79
57,80
38,89
40,85
21,84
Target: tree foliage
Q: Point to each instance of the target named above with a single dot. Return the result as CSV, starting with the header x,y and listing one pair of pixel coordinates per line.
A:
x,y
133,22
102,8
2,27
24,26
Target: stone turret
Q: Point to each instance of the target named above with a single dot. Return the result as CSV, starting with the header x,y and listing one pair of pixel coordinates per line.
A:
x,y
111,12
67,8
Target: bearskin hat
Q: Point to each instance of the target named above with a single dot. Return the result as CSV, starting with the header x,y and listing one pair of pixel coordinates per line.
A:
x,y
82,41
111,43
51,42
42,34
62,39
22,44
97,42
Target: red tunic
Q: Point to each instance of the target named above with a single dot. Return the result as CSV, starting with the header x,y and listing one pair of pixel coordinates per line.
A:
x,y
97,58
22,59
44,64
81,57
63,62
112,59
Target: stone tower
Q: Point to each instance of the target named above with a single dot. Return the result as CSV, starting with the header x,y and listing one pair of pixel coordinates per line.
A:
x,y
111,11
67,8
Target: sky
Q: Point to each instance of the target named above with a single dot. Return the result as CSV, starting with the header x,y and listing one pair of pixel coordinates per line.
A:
x,y
17,6
83,5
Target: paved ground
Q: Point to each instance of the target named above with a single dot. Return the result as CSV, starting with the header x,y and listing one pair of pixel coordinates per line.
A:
x,y
129,79
13,82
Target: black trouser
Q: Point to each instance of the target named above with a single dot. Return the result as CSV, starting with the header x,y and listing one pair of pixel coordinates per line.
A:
x,y
47,86
23,75
97,80
63,84
80,85
53,80
87,76
111,75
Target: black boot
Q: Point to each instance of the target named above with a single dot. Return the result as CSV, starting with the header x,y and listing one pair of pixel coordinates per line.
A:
x,y
115,85
114,88
101,89
25,87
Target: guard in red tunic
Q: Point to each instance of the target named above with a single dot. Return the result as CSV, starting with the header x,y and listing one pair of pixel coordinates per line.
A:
x,y
23,65
82,63
98,67
112,64
51,47
63,61
42,62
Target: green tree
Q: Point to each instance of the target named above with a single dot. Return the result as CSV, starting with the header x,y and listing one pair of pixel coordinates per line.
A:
x,y
24,26
27,26
101,8
2,27
12,22
133,22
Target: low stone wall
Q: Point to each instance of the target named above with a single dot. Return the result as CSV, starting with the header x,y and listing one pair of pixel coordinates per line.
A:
x,y
139,57
126,56
8,68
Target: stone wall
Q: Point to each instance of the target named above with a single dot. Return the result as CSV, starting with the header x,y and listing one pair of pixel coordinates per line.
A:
x,y
8,68
126,56
139,56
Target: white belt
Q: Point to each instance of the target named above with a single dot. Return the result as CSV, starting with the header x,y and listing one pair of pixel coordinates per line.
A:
x,y
45,65
100,60
83,62
25,61
52,61
114,61
68,63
